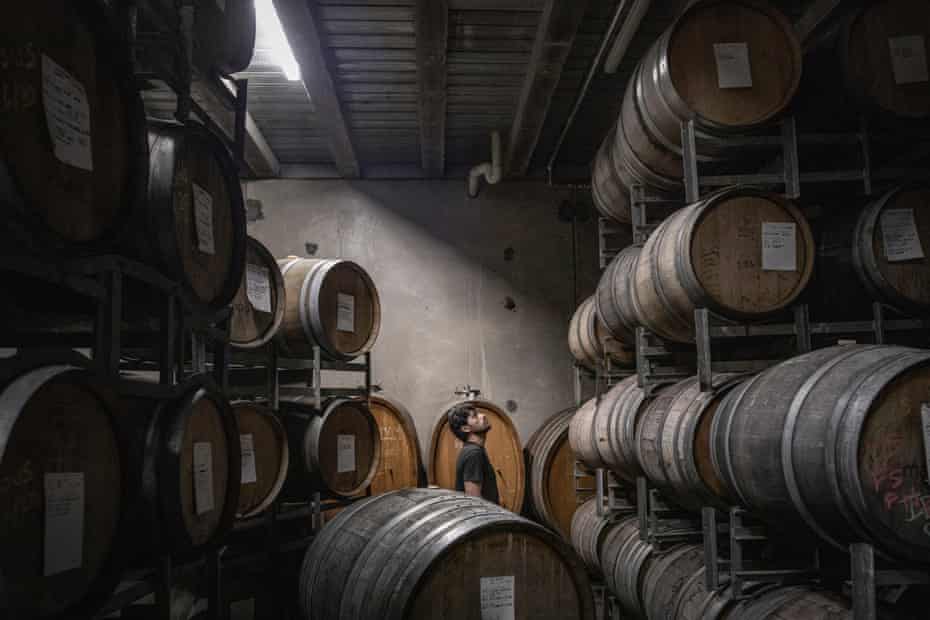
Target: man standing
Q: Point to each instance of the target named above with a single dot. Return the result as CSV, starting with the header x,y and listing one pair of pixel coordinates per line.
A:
x,y
474,474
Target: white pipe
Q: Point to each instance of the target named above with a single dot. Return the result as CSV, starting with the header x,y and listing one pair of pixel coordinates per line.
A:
x,y
492,171
630,25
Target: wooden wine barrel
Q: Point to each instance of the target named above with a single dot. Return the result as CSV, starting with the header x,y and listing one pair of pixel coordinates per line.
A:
x,y
796,602
193,224
589,530
225,34
63,469
331,303
625,560
612,299
258,307
664,580
673,442
550,470
336,449
604,434
65,186
833,440
609,191
889,81
409,553
711,255
725,64
696,602
589,340
400,466
876,254
265,457
503,446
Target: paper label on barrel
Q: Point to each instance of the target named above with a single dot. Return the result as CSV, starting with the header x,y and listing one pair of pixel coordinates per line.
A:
x,y
242,610
258,287
203,219
900,236
67,114
909,59
247,448
733,68
203,478
345,317
497,599
779,248
64,522
345,453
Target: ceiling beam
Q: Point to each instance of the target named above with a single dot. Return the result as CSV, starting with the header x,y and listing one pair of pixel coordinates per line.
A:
x,y
497,5
558,26
432,28
302,31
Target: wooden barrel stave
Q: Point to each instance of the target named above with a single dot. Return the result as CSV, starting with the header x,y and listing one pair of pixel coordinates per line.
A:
x,y
251,326
590,341
612,299
665,578
589,530
400,466
581,435
269,457
610,193
73,202
395,564
835,436
796,602
625,559
313,290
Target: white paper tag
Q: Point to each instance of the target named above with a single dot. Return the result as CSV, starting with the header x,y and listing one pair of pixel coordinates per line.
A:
x,y
67,114
258,287
64,522
345,317
900,236
203,218
242,610
779,250
497,598
345,453
247,448
909,59
203,477
733,68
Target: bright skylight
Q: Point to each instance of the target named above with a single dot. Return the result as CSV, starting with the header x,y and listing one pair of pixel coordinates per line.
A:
x,y
270,31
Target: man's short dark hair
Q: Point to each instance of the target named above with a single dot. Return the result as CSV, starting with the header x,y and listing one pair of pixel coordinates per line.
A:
x,y
458,417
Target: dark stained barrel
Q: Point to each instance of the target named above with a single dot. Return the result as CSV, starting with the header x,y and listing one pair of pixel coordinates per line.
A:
x,y
63,473
68,185
265,457
258,307
331,303
603,434
406,554
589,530
335,449
550,472
625,560
663,581
796,602
224,34
188,487
612,301
193,224
878,253
832,440
673,442
742,253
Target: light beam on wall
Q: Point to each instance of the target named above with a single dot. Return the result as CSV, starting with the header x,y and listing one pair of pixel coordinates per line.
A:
x,y
270,31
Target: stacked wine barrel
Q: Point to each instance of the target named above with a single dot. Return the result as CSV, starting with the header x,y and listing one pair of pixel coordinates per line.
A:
x,y
591,343
727,65
258,307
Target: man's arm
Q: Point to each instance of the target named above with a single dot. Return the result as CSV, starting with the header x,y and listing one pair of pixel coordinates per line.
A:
x,y
473,475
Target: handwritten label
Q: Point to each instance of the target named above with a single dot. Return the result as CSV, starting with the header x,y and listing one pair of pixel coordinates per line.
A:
x,y
779,248
899,235
242,610
345,453
345,315
909,59
925,418
203,478
258,287
733,68
247,448
203,219
67,114
497,598
64,522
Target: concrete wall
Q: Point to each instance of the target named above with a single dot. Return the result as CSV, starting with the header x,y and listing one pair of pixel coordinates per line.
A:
x,y
438,260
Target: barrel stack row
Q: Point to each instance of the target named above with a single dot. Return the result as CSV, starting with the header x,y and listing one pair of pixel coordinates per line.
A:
x,y
826,447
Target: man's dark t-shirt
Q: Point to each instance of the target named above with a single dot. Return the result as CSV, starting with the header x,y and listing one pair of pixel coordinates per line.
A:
x,y
473,465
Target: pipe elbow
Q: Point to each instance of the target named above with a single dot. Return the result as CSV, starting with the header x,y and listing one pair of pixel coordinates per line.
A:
x,y
492,171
